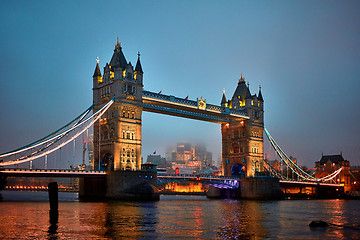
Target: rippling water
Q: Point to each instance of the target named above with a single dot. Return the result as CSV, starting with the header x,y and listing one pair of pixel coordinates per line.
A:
x,y
25,215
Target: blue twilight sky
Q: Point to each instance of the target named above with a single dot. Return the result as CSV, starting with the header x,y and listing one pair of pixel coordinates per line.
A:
x,y
304,54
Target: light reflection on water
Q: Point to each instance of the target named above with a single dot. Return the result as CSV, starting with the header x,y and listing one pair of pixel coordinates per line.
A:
x,y
179,217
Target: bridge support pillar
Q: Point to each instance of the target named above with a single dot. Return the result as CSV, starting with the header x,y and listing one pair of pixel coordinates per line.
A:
x,y
214,192
261,188
121,185
132,185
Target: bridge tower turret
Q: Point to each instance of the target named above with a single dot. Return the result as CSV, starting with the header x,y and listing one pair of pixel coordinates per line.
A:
x,y
117,136
242,142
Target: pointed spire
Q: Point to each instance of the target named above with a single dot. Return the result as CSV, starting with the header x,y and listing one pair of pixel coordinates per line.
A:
x,y
138,67
241,79
223,100
118,58
97,71
260,98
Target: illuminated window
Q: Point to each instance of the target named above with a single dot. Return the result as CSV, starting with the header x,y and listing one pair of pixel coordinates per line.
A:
x,y
124,73
135,75
242,103
252,102
111,75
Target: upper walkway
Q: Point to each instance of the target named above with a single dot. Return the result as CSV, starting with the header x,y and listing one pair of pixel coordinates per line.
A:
x,y
200,110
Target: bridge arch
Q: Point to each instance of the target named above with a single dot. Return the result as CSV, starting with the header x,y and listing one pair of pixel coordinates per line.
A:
x,y
237,170
107,163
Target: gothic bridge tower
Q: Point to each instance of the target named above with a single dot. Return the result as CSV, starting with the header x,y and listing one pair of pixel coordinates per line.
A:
x,y
117,136
242,142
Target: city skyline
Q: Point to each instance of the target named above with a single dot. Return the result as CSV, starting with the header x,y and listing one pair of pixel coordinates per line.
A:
x,y
304,55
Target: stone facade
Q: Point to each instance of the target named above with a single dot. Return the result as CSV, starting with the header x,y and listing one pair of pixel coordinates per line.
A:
x,y
117,136
242,142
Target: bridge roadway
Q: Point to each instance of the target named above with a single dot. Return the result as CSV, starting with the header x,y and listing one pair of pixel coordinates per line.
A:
x,y
223,182
14,172
307,184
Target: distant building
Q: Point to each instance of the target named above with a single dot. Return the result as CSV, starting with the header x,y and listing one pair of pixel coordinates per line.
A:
x,y
159,161
329,164
91,151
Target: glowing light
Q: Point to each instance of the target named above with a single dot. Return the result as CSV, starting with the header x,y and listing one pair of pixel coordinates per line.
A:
x,y
124,73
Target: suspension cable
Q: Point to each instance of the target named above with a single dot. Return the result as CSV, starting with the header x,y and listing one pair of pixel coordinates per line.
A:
x,y
95,117
39,142
294,167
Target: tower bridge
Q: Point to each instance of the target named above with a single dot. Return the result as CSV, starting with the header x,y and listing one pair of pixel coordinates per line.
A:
x,y
118,102
117,138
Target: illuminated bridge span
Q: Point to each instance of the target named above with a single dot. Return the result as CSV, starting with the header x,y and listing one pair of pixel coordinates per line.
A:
x,y
218,182
13,172
199,110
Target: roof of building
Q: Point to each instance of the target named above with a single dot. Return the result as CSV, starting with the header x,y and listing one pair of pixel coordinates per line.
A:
x,y
138,67
241,90
118,58
97,71
260,98
333,158
223,100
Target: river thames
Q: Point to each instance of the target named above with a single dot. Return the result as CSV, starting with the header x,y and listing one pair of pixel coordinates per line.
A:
x,y
25,215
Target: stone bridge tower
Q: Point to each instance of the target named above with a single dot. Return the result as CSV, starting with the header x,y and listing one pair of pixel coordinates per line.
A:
x,y
242,142
117,136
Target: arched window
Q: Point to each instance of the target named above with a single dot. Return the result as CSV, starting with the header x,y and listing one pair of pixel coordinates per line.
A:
x,y
132,153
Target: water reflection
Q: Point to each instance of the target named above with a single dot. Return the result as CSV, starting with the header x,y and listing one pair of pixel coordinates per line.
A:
x,y
181,217
242,220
